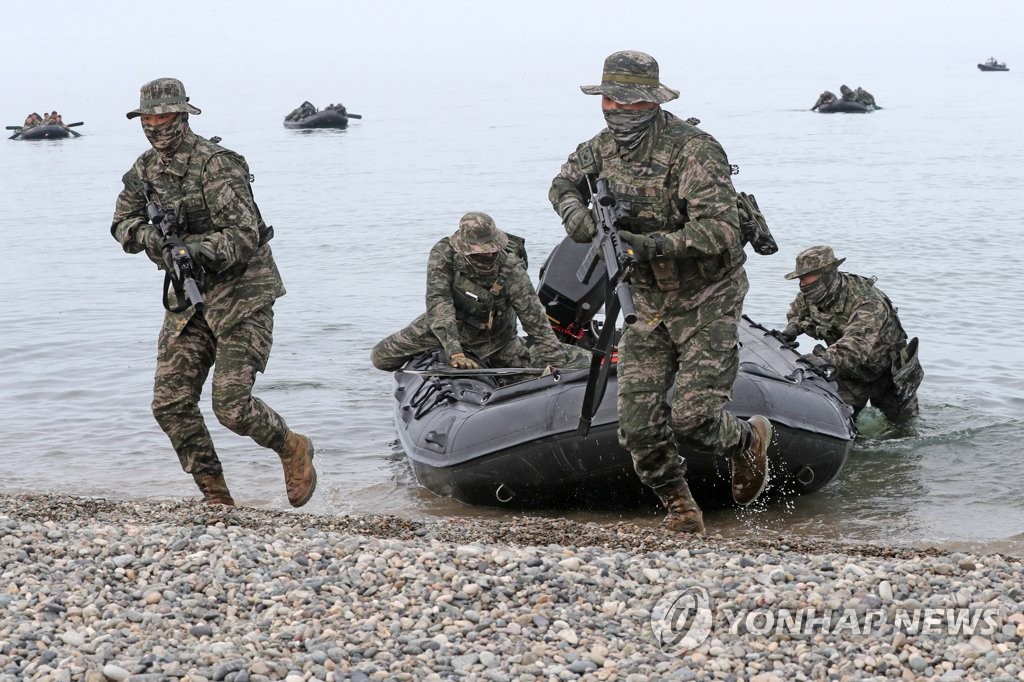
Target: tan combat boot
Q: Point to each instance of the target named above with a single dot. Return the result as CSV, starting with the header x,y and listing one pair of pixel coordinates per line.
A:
x,y
750,467
683,513
299,475
214,489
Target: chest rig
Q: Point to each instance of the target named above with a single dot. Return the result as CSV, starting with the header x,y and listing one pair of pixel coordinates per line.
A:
x,y
186,194
482,308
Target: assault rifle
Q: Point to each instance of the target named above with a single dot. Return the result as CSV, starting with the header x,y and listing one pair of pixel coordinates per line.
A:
x,y
184,274
618,260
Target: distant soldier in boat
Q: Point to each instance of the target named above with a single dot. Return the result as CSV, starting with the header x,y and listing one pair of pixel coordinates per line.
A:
x,y
867,350
825,98
340,108
207,188
688,285
305,109
866,97
33,119
477,288
848,94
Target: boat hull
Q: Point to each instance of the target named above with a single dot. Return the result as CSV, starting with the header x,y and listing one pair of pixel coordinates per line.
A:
x,y
321,119
517,446
44,132
845,107
989,67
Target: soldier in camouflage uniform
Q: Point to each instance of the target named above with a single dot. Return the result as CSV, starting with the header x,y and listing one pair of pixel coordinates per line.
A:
x,y
867,346
825,98
688,286
207,186
866,97
302,111
477,286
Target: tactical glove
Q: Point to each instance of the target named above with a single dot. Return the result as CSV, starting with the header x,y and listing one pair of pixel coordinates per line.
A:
x,y
203,255
149,238
645,248
785,337
819,364
460,361
579,224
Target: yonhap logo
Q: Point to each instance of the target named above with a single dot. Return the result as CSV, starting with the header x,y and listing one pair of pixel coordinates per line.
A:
x,y
681,620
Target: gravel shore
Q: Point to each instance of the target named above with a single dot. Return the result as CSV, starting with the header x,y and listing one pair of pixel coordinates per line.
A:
x,y
100,590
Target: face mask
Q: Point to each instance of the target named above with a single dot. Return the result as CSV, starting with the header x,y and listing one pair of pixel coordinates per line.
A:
x,y
823,291
629,126
166,137
484,263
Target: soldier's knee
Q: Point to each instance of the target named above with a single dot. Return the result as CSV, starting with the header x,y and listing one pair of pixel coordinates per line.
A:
x,y
383,360
695,420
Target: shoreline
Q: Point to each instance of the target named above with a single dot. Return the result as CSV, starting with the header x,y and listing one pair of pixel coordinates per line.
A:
x,y
98,590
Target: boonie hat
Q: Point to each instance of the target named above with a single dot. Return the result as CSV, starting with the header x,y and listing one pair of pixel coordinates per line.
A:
x,y
813,260
163,96
630,77
477,233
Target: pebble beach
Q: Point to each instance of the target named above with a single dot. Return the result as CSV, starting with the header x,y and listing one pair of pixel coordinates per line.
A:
x,y
95,590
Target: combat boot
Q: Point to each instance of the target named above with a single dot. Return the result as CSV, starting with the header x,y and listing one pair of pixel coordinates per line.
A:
x,y
214,489
296,455
750,467
684,515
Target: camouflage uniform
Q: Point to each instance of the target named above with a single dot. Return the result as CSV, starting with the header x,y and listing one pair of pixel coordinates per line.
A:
x,y
476,313
863,332
824,98
866,97
676,182
207,186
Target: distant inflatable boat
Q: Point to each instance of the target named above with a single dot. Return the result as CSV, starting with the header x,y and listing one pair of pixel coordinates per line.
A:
x,y
993,67
321,119
841,106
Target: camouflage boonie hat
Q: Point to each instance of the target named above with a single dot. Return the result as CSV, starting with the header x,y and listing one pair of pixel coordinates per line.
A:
x,y
163,96
813,260
630,77
477,233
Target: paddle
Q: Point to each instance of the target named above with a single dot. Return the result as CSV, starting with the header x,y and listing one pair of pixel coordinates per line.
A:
x,y
18,128
354,115
72,125
75,133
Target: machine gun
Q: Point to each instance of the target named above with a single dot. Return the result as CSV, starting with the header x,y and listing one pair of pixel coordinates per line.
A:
x,y
184,274
618,260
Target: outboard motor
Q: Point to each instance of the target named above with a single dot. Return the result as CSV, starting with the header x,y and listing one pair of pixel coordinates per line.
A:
x,y
570,304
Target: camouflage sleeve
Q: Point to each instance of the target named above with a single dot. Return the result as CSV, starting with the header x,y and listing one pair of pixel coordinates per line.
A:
x,y
797,316
440,306
860,337
534,320
129,213
566,191
232,211
702,179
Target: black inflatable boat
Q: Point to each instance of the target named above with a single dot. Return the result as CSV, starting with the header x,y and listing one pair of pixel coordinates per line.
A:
x,y
477,439
321,119
844,106
50,131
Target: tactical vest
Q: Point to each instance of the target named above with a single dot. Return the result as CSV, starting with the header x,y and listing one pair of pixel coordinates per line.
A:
x,y
188,198
482,311
652,205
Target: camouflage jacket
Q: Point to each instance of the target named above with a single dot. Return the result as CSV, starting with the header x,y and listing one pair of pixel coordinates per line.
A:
x,y
861,329
467,311
208,188
678,184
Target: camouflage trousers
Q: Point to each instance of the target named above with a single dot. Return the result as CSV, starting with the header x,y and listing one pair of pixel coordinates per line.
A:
x,y
395,350
673,384
882,394
183,364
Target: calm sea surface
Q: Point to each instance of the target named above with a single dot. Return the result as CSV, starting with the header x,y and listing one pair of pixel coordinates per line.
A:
x,y
926,194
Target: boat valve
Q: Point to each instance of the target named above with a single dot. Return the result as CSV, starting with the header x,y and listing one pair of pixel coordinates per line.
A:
x,y
504,494
805,475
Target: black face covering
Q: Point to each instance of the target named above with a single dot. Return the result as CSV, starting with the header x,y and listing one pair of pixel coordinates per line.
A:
x,y
825,290
166,137
630,126
484,263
